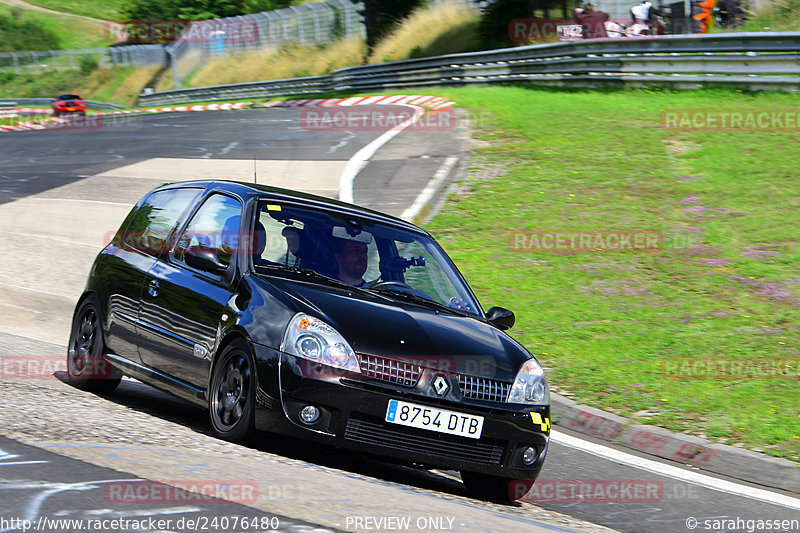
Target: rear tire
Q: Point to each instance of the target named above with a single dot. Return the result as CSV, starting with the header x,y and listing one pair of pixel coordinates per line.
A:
x,y
232,395
87,368
494,488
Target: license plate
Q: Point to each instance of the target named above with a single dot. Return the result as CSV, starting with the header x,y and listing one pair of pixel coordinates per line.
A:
x,y
433,419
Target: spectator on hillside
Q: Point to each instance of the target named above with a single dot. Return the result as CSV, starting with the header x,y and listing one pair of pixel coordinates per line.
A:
x,y
592,21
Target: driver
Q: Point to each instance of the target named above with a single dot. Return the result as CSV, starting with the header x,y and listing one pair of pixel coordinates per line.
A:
x,y
351,256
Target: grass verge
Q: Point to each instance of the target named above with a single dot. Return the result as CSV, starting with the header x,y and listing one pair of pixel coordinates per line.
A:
x,y
431,30
286,62
646,335
119,85
778,15
72,32
99,9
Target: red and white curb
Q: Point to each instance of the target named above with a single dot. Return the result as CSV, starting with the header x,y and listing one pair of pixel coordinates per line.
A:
x,y
42,125
434,103
431,102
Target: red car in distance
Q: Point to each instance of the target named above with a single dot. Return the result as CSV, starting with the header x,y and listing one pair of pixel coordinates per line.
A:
x,y
68,103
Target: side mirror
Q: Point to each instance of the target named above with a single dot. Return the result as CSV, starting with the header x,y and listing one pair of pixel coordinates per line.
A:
x,y
501,317
205,259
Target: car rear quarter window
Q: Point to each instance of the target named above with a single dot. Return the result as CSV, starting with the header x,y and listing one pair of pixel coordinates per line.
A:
x,y
157,217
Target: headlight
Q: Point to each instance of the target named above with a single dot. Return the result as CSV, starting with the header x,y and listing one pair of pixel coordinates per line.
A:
x,y
313,339
530,386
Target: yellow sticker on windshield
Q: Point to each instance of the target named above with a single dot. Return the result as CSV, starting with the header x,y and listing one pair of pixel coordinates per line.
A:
x,y
273,207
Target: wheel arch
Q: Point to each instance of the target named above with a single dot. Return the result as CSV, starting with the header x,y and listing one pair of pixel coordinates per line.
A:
x,y
237,333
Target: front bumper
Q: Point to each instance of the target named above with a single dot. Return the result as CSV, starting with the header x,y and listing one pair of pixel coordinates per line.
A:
x,y
353,410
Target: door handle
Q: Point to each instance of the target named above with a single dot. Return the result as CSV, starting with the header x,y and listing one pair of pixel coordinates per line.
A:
x,y
152,289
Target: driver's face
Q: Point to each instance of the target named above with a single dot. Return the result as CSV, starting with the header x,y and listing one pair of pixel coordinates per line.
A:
x,y
353,259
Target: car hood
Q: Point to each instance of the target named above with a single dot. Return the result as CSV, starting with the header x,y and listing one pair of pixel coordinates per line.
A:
x,y
402,330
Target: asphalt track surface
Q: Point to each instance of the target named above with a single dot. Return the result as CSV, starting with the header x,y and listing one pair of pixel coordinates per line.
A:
x,y
37,164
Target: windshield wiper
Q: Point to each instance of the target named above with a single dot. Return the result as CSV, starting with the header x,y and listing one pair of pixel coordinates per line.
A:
x,y
319,277
423,300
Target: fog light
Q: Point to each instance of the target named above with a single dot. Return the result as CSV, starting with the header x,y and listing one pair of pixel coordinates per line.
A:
x,y
529,455
309,414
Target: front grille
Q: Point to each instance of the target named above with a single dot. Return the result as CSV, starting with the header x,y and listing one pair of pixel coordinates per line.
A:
x,y
400,372
374,431
483,388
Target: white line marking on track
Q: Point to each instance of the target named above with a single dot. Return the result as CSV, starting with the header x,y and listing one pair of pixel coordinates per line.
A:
x,y
228,148
57,239
430,189
362,156
341,143
20,287
689,476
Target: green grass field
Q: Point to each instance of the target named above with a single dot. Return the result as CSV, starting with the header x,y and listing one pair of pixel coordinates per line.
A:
x,y
99,9
617,329
72,32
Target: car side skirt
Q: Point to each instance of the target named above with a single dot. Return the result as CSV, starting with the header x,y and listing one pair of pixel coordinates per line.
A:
x,y
160,381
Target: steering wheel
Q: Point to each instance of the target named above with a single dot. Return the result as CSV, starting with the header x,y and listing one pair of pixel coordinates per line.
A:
x,y
397,285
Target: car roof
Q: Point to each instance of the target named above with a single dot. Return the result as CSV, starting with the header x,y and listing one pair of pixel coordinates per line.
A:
x,y
249,190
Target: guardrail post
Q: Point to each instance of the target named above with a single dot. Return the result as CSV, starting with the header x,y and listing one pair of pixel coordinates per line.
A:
x,y
15,59
173,62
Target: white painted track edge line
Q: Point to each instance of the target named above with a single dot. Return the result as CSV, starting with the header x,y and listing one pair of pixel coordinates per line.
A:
x,y
354,164
689,476
20,287
430,189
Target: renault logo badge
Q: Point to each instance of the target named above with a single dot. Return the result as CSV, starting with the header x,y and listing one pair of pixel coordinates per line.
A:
x,y
440,385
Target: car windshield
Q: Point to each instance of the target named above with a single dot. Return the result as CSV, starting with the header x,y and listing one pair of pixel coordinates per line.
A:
x,y
68,97
381,258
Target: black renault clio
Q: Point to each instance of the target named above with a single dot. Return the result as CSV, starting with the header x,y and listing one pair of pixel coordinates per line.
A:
x,y
301,315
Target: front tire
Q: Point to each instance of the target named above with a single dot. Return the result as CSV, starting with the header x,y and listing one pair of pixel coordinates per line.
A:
x,y
87,368
232,393
494,488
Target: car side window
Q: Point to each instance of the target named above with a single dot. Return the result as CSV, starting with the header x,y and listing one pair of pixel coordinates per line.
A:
x,y
214,226
157,217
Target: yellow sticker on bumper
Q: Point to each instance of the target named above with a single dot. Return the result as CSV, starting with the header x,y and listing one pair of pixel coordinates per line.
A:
x,y
537,419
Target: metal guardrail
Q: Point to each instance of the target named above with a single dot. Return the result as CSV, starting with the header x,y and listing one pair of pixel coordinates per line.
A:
x,y
47,102
8,109
756,61
256,89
